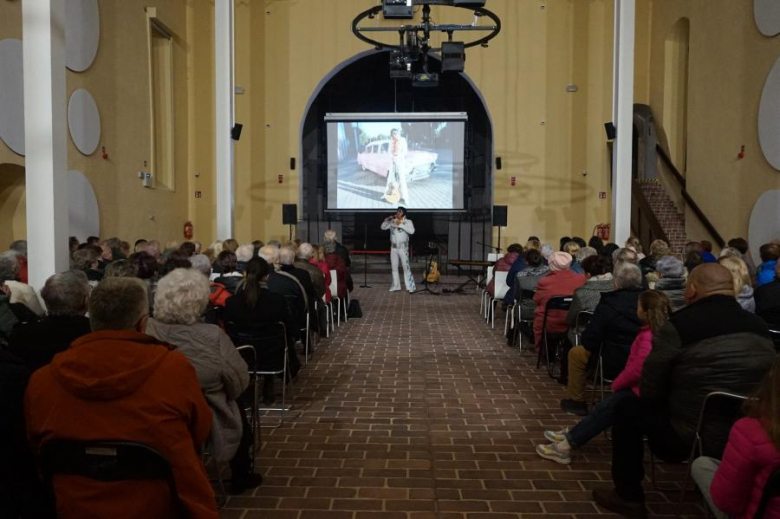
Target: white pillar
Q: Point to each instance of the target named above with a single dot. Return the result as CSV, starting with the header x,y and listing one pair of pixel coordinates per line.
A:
x,y
45,132
225,114
622,116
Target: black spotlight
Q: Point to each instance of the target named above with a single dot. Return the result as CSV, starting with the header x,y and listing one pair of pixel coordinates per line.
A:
x,y
453,56
398,9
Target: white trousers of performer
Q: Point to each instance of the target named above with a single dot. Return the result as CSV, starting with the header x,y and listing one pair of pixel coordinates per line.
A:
x,y
399,170
401,255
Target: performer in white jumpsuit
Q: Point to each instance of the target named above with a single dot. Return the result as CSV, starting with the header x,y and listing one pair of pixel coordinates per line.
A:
x,y
400,229
397,172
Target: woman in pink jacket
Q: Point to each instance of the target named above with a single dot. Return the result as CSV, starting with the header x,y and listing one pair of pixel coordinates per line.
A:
x,y
653,310
752,454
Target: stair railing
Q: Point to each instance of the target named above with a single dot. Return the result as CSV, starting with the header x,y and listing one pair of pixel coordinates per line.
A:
x,y
687,197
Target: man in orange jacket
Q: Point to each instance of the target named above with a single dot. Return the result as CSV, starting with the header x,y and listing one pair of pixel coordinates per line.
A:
x,y
118,383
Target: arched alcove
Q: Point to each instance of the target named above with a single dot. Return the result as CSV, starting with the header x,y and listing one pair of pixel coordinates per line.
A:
x,y
675,109
363,85
13,205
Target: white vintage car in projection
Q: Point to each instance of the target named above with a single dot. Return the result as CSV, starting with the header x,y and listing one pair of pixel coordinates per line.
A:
x,y
376,157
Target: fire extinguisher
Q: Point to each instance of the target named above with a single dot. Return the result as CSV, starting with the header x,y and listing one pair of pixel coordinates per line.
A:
x,y
188,230
602,231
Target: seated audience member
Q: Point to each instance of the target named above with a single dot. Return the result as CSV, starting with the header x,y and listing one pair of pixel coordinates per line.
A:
x,y
547,251
624,256
181,298
330,235
20,248
229,276
658,249
597,244
213,253
256,304
73,244
734,485
533,243
729,252
93,240
286,261
115,246
287,286
706,252
527,279
573,248
336,262
598,279
303,261
609,250
243,254
86,260
741,245
560,281
140,245
584,252
504,264
115,383
201,263
579,241
765,273
187,249
121,269
710,345
147,270
256,244
612,329
125,249
692,260
671,280
22,298
634,244
67,299
742,287
153,249
318,260
562,242
230,245
653,311
767,299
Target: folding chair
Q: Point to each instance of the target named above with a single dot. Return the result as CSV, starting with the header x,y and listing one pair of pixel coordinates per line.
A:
x,y
583,318
600,380
483,301
500,289
524,295
771,491
269,341
729,407
108,460
556,303
328,316
334,295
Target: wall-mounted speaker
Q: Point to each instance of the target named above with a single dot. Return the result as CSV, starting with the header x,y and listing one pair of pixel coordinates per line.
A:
x,y
498,162
235,132
289,214
611,131
292,163
499,215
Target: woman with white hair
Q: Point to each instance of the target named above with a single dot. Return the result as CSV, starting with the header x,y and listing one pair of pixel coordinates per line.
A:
x,y
179,302
742,289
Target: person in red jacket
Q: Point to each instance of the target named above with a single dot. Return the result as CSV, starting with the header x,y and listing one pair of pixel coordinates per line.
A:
x,y
734,485
117,383
504,264
653,310
559,282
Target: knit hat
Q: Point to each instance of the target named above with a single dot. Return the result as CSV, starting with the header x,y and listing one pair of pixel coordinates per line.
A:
x,y
559,261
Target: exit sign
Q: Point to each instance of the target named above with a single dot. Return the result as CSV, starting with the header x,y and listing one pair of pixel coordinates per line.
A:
x,y
198,194
602,195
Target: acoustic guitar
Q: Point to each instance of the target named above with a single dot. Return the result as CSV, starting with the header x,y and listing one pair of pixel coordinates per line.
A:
x,y
433,275
394,194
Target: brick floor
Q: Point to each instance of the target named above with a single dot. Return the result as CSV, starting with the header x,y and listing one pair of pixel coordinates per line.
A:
x,y
420,411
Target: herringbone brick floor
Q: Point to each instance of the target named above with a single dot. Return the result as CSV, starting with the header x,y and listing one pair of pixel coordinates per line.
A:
x,y
420,411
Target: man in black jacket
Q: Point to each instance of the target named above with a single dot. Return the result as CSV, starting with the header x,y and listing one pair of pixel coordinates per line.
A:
x,y
711,345
612,328
768,301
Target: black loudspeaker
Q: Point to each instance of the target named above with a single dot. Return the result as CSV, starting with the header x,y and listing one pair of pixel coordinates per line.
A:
x,y
499,215
498,162
289,214
611,131
235,133
292,163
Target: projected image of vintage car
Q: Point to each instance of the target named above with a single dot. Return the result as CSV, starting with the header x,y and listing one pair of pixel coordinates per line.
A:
x,y
376,157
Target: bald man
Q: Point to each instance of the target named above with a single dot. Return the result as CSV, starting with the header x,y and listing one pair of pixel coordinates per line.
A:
x,y
710,345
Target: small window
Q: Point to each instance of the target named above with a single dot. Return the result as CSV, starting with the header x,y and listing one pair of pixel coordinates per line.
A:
x,y
161,90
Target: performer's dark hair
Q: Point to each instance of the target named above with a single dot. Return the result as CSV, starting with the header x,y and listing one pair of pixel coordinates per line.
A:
x,y
394,130
403,209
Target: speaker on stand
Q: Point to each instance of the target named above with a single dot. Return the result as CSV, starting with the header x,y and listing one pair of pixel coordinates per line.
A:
x,y
499,220
290,216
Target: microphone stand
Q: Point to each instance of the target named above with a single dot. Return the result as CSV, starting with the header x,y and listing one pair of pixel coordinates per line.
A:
x,y
497,249
365,258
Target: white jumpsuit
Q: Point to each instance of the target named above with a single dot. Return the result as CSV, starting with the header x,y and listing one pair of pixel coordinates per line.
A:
x,y
399,251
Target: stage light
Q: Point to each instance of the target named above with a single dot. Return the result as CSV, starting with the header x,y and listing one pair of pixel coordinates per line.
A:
x,y
425,79
398,9
453,56
400,67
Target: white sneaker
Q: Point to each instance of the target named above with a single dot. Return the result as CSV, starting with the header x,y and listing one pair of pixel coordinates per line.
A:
x,y
556,436
394,289
411,291
555,452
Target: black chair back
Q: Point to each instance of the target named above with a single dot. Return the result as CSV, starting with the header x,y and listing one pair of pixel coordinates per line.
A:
x,y
108,461
771,491
718,413
268,339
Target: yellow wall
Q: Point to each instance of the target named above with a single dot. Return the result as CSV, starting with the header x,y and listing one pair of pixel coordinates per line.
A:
x,y
119,82
729,62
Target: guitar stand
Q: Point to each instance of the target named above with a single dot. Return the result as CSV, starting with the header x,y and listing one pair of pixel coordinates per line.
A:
x,y
425,283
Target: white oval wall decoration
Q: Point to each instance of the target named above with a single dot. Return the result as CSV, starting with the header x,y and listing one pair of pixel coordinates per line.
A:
x,y
82,33
83,214
84,121
12,95
769,117
767,15
764,222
